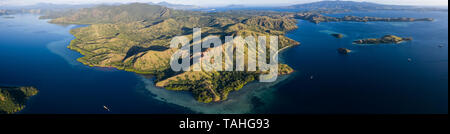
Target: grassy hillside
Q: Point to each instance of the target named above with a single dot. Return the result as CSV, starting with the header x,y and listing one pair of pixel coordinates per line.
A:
x,y
139,42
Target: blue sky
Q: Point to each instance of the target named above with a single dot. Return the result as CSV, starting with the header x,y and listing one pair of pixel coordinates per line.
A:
x,y
222,2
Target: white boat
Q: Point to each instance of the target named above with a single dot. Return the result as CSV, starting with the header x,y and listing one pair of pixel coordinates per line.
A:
x,y
106,108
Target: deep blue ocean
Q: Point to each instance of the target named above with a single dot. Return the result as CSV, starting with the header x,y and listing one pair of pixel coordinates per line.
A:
x,y
372,79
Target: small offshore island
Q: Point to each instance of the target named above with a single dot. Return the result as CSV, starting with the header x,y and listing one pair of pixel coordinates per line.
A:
x,y
344,50
337,35
387,39
13,99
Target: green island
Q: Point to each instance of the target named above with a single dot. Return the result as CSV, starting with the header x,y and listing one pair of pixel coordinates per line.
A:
x,y
387,39
136,37
13,99
337,35
344,50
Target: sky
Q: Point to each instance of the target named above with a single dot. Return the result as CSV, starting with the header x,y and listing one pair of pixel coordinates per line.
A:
x,y
222,2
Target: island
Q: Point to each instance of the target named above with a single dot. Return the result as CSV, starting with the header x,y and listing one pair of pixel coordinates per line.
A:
x,y
387,39
344,50
318,18
136,37
337,35
14,99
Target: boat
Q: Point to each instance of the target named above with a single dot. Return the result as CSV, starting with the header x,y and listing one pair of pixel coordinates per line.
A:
x,y
106,108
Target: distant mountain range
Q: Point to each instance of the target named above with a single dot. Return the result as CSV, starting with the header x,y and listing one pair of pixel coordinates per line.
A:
x,y
339,5
41,8
176,6
49,6
321,6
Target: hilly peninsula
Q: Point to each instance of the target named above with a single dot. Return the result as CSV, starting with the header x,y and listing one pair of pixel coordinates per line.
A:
x,y
13,99
136,37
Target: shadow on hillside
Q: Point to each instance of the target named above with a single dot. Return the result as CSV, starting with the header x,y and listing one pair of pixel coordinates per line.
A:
x,y
138,49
